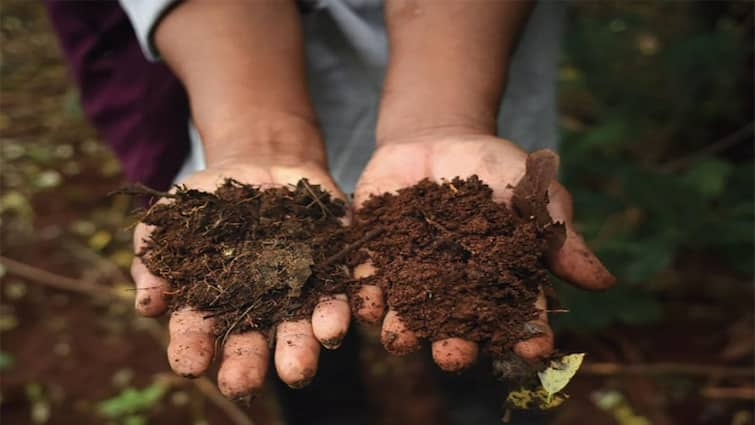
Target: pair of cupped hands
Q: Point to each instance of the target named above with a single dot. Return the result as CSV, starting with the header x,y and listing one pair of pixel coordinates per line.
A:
x,y
245,357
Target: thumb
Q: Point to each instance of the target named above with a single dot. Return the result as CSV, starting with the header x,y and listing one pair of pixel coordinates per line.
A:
x,y
574,262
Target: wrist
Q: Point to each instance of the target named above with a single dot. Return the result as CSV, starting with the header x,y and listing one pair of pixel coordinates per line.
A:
x,y
400,123
265,138
410,110
447,67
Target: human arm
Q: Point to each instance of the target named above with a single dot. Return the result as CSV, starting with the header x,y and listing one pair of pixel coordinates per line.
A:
x,y
447,71
242,65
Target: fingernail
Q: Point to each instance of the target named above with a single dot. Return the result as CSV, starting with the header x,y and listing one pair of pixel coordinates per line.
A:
x,y
308,376
332,343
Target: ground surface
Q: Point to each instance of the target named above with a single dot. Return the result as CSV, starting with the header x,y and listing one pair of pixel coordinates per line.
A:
x,y
63,352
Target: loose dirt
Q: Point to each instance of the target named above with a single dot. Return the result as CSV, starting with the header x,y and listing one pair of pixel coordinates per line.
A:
x,y
248,257
454,263
451,261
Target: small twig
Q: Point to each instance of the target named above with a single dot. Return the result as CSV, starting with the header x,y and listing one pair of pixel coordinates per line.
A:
x,y
236,322
88,255
434,223
351,247
719,393
557,310
140,189
740,135
704,370
234,413
56,281
217,313
444,229
315,197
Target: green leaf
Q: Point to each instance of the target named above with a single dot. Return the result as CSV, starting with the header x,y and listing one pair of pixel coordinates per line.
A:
x,y
560,372
131,401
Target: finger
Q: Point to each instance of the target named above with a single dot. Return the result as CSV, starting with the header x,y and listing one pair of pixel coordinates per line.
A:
x,y
396,337
539,346
330,320
371,305
245,361
296,353
191,342
574,261
454,354
150,289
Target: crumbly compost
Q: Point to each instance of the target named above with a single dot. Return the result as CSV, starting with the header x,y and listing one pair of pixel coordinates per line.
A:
x,y
454,263
245,256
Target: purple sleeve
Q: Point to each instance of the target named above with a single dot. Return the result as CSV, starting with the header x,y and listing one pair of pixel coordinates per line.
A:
x,y
138,107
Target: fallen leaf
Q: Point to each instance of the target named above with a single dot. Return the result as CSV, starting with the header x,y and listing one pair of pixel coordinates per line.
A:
x,y
539,398
560,372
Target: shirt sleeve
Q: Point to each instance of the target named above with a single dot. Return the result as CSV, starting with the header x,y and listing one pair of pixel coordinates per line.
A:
x,y
144,16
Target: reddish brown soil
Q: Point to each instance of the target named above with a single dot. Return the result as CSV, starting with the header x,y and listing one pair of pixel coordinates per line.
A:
x,y
249,257
454,263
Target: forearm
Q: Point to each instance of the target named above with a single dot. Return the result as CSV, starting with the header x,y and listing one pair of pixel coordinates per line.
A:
x,y
447,65
242,64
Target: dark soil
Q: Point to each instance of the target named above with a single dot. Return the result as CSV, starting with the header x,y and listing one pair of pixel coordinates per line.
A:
x,y
248,257
454,263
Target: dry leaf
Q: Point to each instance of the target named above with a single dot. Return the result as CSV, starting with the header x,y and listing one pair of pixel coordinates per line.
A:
x,y
560,372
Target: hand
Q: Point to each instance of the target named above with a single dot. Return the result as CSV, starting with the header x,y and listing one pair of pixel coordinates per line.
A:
x,y
245,356
500,164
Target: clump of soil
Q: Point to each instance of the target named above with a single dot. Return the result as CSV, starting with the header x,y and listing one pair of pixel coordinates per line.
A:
x,y
454,263
246,256
450,260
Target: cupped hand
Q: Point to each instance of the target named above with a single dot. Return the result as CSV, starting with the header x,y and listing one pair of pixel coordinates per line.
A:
x,y
501,165
245,356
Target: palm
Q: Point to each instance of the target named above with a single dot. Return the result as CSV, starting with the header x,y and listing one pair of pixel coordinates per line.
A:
x,y
245,356
495,161
501,165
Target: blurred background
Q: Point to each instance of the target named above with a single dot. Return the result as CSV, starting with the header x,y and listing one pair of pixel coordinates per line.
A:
x,y
657,149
